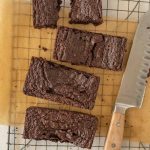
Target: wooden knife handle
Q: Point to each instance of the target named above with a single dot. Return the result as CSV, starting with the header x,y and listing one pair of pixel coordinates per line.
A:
x,y
115,133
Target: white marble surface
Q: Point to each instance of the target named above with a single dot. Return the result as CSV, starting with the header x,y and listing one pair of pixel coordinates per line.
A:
x,y
3,137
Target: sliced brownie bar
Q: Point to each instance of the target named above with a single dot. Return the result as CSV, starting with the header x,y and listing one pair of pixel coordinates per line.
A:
x,y
86,11
45,13
60,125
58,83
90,49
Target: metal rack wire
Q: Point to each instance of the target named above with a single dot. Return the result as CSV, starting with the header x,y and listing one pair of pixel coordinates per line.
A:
x,y
28,41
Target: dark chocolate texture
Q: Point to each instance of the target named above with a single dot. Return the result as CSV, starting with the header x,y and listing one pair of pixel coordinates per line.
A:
x,y
60,125
148,75
86,11
46,13
61,84
90,49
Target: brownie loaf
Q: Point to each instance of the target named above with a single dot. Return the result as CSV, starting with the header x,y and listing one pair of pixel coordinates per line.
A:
x,y
45,13
90,49
60,125
61,84
86,11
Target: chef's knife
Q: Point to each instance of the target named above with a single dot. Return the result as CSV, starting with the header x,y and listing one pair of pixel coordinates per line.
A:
x,y
133,85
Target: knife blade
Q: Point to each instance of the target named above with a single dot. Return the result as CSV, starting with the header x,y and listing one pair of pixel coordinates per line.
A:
x,y
133,85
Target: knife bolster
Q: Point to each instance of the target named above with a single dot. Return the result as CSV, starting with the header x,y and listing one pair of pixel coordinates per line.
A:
x,y
120,108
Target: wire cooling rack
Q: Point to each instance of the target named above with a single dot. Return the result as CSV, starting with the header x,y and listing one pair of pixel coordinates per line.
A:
x,y
16,142
28,42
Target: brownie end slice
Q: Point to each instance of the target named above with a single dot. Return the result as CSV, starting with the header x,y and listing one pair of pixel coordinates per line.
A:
x,y
86,11
46,13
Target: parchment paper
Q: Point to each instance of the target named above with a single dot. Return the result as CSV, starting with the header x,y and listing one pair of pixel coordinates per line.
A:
x,y
15,55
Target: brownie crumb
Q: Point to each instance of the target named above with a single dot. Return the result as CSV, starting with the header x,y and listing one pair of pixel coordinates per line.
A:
x,y
44,49
148,27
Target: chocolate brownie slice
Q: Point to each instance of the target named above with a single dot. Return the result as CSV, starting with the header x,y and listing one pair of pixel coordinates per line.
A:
x,y
46,13
61,84
86,11
90,49
60,125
